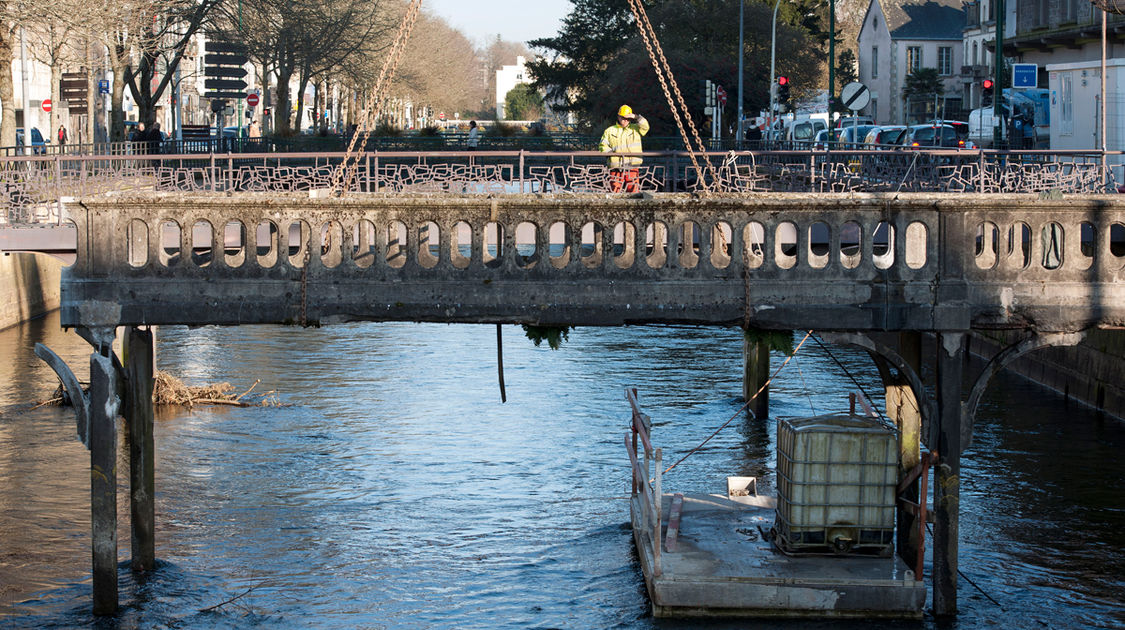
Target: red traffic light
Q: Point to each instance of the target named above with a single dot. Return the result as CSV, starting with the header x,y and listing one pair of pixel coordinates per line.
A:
x,y
783,80
986,84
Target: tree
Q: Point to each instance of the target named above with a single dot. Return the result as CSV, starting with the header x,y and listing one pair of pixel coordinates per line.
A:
x,y
304,39
523,103
599,60
499,53
846,68
922,86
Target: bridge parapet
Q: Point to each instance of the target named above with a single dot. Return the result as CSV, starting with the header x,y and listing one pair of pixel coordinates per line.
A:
x,y
829,262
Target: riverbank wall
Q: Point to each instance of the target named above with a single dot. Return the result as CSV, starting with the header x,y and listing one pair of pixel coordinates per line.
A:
x,y
1091,373
29,287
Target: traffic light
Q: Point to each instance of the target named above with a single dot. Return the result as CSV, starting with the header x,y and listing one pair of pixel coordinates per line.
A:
x,y
783,90
986,92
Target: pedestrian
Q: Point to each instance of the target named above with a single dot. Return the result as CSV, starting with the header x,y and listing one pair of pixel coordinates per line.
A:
x,y
62,137
624,137
255,130
474,136
137,138
154,138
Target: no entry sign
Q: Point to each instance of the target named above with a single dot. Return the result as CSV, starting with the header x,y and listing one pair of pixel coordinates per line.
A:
x,y
252,100
46,104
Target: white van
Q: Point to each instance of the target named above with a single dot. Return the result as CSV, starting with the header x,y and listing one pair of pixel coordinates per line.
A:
x,y
981,122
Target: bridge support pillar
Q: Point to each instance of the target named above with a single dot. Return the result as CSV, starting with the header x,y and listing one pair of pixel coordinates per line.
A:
x,y
904,409
756,373
103,410
139,370
947,481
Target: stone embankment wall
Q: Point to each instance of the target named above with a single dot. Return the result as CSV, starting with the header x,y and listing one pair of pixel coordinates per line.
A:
x,y
1092,373
29,287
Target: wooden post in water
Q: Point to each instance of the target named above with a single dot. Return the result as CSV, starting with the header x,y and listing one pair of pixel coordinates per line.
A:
x,y
904,409
139,416
947,481
104,406
756,373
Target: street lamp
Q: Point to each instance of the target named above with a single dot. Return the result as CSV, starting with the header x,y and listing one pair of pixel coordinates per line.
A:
x,y
741,54
773,79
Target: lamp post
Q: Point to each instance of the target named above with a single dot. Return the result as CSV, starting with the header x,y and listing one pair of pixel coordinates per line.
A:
x,y
773,78
741,54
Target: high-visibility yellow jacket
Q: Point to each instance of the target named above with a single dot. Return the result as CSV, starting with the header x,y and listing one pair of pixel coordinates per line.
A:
x,y
618,139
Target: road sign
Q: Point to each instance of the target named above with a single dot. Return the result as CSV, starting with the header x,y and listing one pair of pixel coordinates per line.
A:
x,y
225,47
222,59
231,85
855,96
103,86
232,72
252,100
722,94
1025,75
46,104
222,67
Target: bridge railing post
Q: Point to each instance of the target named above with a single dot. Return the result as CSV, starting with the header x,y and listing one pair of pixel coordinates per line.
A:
x,y
214,187
521,169
58,188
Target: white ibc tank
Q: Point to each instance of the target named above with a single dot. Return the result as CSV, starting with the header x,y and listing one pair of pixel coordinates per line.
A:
x,y
836,478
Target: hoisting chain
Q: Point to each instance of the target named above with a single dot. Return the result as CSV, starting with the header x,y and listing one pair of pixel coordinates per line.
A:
x,y
660,64
346,172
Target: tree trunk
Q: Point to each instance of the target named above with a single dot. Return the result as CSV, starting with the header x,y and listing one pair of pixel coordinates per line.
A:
x,y
301,85
56,100
8,124
281,112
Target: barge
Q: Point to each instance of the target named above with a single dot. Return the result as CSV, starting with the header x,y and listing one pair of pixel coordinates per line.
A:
x,y
721,555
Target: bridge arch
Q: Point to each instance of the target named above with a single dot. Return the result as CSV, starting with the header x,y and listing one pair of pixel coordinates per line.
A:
x,y
1001,360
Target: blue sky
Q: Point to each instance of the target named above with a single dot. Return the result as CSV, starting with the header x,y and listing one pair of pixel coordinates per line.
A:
x,y
513,20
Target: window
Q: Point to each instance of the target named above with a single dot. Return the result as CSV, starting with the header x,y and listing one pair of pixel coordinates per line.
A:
x,y
975,58
1039,13
913,58
992,11
945,60
1066,104
1070,11
874,62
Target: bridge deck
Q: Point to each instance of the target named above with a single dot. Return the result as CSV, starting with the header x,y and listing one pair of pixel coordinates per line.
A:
x,y
829,262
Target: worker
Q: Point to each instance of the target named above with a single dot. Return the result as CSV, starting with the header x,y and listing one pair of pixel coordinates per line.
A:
x,y
624,137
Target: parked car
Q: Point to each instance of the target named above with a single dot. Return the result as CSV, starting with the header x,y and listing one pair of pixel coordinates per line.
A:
x,y
848,121
884,137
805,130
962,129
822,139
930,136
852,137
38,145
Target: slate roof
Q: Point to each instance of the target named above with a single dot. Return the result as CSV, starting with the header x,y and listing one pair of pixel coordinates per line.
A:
x,y
924,19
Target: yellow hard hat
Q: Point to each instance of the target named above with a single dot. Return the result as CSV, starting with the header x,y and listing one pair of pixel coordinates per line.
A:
x,y
625,111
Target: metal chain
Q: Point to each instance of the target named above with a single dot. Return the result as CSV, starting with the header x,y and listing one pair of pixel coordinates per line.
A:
x,y
345,173
660,64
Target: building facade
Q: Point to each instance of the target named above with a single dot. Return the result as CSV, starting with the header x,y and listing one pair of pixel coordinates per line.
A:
x,y
897,38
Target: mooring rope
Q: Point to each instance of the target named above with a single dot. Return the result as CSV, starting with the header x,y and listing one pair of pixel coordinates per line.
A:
x,y
745,407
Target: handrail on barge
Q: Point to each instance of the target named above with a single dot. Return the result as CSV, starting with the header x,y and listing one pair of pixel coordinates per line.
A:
x,y
650,495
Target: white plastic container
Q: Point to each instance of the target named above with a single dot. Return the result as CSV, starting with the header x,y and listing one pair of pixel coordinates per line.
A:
x,y
836,478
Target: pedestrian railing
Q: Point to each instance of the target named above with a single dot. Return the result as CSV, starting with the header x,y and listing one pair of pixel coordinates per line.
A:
x,y
32,185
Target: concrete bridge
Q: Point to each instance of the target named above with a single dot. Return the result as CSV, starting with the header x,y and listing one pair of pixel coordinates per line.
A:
x,y
872,269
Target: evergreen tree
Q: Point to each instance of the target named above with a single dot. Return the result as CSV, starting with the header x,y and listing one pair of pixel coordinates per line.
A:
x,y
523,103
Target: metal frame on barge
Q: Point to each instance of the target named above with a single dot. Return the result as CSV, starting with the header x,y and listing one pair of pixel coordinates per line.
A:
x,y
708,555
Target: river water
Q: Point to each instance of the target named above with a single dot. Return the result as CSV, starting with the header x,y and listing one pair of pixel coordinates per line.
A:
x,y
392,489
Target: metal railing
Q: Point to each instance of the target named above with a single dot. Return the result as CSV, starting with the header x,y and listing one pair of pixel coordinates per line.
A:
x,y
31,186
646,496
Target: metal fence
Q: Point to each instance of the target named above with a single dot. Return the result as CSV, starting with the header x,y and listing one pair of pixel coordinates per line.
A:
x,y
31,186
